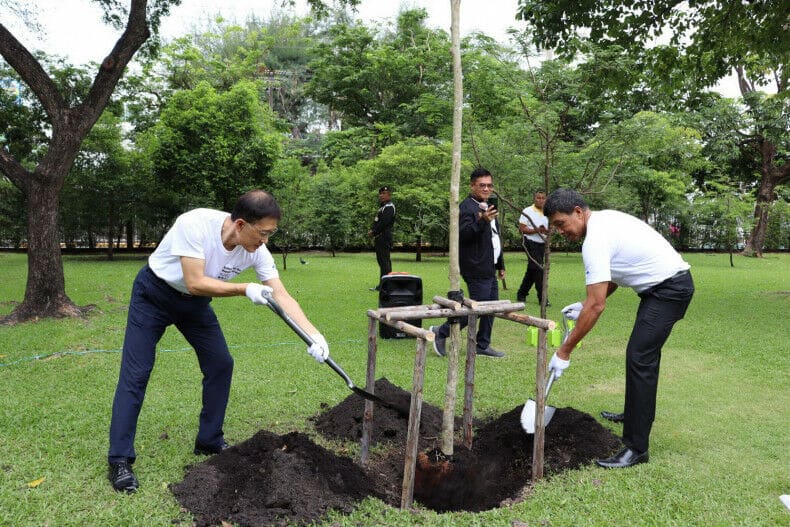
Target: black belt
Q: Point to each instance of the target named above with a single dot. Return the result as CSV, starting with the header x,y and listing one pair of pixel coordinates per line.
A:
x,y
679,274
187,295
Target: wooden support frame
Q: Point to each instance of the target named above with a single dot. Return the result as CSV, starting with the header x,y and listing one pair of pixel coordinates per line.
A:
x,y
444,308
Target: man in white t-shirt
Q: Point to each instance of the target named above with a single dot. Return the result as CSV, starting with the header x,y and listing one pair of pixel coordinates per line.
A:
x,y
620,249
534,226
192,264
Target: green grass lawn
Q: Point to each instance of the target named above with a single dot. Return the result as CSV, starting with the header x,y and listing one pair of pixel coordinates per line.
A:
x,y
720,453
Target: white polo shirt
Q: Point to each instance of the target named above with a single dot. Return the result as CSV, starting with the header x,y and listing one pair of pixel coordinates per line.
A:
x,y
198,234
625,250
538,218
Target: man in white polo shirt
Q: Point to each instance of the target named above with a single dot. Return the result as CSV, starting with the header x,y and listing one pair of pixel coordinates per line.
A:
x,y
192,264
620,249
534,226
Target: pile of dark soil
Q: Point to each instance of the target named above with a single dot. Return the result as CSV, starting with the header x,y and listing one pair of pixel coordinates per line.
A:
x,y
279,480
272,480
344,421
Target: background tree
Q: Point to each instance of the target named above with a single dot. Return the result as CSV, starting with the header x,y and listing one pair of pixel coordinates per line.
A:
x,y
290,183
418,170
216,145
97,194
707,41
365,78
658,159
332,226
45,292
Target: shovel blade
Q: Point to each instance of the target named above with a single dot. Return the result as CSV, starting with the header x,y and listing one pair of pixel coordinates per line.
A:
x,y
528,416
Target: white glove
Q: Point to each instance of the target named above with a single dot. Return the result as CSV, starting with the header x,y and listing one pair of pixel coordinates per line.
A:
x,y
572,311
255,293
320,349
558,365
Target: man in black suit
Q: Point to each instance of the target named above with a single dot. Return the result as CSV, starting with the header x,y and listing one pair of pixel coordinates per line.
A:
x,y
381,232
479,257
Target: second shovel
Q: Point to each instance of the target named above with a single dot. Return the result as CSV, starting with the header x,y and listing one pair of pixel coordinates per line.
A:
x,y
531,408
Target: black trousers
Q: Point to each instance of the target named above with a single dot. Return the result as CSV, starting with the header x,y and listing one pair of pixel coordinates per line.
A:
x,y
383,248
153,307
534,273
479,289
660,307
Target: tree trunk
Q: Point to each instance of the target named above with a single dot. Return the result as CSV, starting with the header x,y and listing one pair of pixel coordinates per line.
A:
x,y
129,235
448,414
766,195
45,294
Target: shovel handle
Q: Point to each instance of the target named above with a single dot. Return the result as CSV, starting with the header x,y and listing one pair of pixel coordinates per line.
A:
x,y
274,306
549,382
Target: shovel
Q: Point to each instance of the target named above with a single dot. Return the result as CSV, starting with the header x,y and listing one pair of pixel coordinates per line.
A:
x,y
530,407
530,410
274,306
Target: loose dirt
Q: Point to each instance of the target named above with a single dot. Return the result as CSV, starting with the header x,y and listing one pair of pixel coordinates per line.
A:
x,y
291,480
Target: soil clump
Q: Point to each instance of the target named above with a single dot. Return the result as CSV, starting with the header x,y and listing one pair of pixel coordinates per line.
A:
x,y
272,480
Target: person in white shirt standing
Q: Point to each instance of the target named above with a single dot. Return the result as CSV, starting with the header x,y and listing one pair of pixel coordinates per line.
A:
x,y
621,250
192,264
534,226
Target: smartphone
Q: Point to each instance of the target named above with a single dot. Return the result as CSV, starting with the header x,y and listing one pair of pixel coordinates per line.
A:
x,y
493,202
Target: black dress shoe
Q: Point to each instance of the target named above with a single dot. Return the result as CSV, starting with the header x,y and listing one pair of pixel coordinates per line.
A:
x,y
623,459
207,450
613,416
122,477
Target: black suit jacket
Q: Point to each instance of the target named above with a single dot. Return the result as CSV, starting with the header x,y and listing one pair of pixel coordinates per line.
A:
x,y
475,249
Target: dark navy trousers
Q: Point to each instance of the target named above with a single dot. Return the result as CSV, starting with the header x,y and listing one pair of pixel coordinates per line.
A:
x,y
660,307
480,289
153,307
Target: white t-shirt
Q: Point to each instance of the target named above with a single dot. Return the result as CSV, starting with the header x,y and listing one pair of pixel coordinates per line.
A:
x,y
625,250
538,218
198,234
495,241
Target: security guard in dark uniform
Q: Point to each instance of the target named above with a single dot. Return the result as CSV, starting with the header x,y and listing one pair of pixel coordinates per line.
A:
x,y
381,232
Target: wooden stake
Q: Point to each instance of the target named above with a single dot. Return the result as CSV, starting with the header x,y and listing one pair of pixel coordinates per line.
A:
x,y
469,386
413,434
448,411
446,302
540,323
414,331
540,396
370,383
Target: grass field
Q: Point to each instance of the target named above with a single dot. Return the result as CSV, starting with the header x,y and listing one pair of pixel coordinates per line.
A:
x,y
720,447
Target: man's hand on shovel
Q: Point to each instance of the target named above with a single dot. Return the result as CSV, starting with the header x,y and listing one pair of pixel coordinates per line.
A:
x,y
558,365
258,293
319,349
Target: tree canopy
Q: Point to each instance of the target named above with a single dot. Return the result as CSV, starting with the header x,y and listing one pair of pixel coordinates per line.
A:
x,y
323,112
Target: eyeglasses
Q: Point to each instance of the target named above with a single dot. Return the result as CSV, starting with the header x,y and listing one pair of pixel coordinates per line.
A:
x,y
264,234
485,185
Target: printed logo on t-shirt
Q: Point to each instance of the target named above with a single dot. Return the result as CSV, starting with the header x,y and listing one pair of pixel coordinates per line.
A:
x,y
228,272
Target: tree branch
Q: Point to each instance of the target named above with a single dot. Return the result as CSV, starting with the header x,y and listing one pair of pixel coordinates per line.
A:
x,y
113,66
28,68
12,168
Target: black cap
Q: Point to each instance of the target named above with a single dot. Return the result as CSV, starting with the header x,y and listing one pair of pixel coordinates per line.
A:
x,y
385,188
